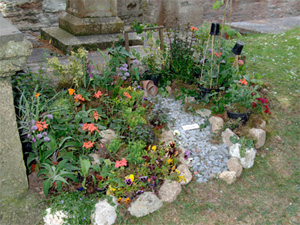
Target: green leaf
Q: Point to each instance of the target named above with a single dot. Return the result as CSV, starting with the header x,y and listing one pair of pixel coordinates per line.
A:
x,y
46,186
218,4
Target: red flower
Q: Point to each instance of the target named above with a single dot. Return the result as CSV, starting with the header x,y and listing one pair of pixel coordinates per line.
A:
x,y
253,104
267,109
194,29
88,144
127,95
90,127
218,54
243,81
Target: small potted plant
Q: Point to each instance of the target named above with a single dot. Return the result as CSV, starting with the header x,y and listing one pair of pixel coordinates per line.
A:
x,y
239,98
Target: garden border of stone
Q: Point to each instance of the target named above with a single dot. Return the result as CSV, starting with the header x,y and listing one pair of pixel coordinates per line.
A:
x,y
149,202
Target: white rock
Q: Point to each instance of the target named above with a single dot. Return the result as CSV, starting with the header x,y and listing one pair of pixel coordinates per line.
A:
x,y
56,218
169,90
263,125
167,136
145,204
234,151
104,214
185,171
204,112
217,123
187,162
169,191
95,157
226,137
247,161
228,176
234,164
259,135
107,136
189,99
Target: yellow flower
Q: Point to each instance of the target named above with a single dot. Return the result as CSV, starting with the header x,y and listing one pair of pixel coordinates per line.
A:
x,y
154,148
177,171
131,177
181,178
110,190
173,168
170,161
127,200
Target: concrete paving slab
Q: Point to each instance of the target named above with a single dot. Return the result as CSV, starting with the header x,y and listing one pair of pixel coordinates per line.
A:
x,y
270,26
8,32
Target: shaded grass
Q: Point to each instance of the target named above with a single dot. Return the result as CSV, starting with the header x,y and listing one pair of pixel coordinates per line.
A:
x,y
268,193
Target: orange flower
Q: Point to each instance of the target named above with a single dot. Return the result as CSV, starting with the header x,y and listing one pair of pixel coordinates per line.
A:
x,y
98,94
71,91
119,200
218,54
121,163
127,95
37,94
243,81
41,125
79,98
96,115
127,200
88,144
194,29
90,127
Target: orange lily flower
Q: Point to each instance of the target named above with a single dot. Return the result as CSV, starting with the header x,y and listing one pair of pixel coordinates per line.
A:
x,y
96,115
90,127
37,94
79,98
243,81
194,29
88,144
218,54
71,91
41,125
98,94
127,95
121,163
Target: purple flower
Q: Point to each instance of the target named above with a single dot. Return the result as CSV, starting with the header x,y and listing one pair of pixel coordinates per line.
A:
x,y
221,49
34,127
186,154
46,139
33,139
39,136
209,50
125,65
146,158
128,182
28,136
62,202
123,78
154,178
223,61
143,178
80,189
32,122
202,61
124,69
135,61
139,192
49,116
139,87
81,124
151,167
91,75
120,74
126,74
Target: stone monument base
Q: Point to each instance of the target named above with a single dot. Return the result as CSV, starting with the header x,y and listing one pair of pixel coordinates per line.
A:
x,y
90,25
68,42
26,209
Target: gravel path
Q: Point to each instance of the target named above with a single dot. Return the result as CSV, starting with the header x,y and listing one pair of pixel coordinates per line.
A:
x,y
209,160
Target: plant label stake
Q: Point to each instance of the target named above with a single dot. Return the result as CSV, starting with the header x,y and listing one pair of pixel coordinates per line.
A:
x,y
214,30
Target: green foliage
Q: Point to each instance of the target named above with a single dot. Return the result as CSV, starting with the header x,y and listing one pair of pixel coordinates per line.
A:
x,y
218,4
115,145
142,133
55,175
76,70
135,151
85,166
158,117
244,144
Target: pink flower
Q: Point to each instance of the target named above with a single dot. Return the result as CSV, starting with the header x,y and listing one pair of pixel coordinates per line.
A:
x,y
241,62
121,163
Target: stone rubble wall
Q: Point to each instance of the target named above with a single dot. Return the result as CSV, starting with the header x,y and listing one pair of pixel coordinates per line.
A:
x,y
36,14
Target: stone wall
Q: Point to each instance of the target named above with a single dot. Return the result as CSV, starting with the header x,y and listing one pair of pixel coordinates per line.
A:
x,y
35,14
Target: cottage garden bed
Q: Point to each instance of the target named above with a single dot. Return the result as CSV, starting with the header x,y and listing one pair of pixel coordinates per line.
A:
x,y
102,139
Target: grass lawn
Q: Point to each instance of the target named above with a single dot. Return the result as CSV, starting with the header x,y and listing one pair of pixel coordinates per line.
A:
x,y
269,192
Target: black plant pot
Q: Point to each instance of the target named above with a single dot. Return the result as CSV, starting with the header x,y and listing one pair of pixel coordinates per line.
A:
x,y
154,79
238,47
205,91
215,29
243,116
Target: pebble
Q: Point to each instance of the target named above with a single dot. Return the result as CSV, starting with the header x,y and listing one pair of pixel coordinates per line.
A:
x,y
210,159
